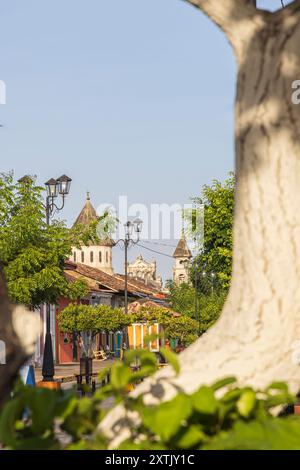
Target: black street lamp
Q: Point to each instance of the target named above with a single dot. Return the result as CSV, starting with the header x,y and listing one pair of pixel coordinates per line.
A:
x,y
136,226
198,285
54,188
213,277
64,184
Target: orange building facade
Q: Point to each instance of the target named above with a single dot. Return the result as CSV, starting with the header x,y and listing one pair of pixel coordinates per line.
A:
x,y
138,333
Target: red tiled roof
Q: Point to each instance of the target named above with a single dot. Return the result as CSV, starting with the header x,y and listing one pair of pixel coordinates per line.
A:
x,y
136,307
93,286
96,279
139,284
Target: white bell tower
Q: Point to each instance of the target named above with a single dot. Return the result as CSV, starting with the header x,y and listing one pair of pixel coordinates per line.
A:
x,y
96,256
182,257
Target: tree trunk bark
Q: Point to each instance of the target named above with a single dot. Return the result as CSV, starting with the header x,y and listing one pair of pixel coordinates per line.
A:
x,y
257,338
19,329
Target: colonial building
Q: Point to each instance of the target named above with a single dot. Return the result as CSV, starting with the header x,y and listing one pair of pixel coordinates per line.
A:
x,y
145,271
103,288
183,258
138,332
93,264
97,256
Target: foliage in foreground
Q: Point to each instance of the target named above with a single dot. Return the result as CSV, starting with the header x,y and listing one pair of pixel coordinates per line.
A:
x,y
222,416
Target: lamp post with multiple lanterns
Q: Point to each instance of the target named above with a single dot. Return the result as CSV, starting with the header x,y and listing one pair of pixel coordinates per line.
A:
x,y
55,187
130,227
212,276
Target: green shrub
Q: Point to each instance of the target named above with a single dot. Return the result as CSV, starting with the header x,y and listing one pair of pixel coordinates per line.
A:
x,y
222,416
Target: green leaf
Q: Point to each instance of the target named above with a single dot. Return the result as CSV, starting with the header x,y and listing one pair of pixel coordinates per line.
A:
x,y
232,396
268,434
144,372
223,383
190,438
42,404
280,399
166,419
246,403
120,376
204,401
171,358
281,386
11,413
65,405
142,357
37,443
80,445
102,375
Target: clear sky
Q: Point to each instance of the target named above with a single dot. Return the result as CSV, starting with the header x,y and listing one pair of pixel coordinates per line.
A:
x,y
128,97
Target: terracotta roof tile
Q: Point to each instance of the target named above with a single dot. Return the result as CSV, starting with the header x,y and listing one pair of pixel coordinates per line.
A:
x,y
136,307
115,283
93,285
139,284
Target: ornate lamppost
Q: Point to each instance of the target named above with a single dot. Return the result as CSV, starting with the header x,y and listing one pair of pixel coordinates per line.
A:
x,y
130,227
212,277
55,187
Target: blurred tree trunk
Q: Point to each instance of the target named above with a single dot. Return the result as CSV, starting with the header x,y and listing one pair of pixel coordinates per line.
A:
x,y
18,332
258,334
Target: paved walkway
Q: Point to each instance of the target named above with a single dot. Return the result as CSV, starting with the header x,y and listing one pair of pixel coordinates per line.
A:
x,y
66,372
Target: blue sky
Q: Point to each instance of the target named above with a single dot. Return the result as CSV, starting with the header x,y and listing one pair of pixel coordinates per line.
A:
x,y
127,97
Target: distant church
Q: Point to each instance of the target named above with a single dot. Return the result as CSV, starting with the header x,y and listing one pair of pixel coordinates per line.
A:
x,y
100,256
145,271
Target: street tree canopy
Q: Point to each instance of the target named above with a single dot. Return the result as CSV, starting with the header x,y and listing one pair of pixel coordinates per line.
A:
x,y
32,253
182,328
206,311
94,319
215,248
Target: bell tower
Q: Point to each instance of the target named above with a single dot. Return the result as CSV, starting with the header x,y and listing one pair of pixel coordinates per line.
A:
x,y
182,257
96,256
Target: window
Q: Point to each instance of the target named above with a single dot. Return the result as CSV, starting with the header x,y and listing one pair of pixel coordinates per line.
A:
x,y
100,256
107,256
91,256
74,256
82,257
